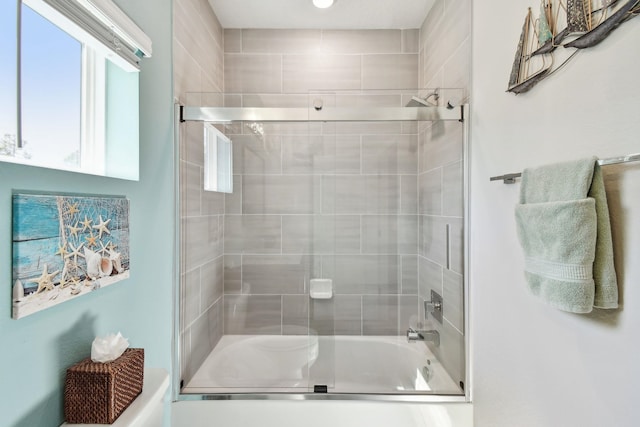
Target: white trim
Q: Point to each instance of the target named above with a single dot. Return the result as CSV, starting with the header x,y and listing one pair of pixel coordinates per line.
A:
x,y
104,27
93,119
114,18
76,30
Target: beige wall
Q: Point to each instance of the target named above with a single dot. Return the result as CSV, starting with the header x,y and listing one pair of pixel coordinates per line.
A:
x,y
445,45
197,48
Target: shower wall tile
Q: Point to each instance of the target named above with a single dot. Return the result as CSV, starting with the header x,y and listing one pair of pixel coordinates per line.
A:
x,y
200,344
321,154
366,99
388,314
252,234
457,69
276,274
389,234
232,40
212,201
193,151
191,184
452,190
253,314
295,314
361,41
216,322
410,128
392,154
432,238
288,194
451,352
212,23
445,48
409,194
233,201
430,196
348,314
191,296
302,73
198,67
457,21
252,73
318,234
365,194
187,77
322,316
394,71
367,128
409,272
276,100
299,129
257,155
457,245
376,166
433,23
429,278
231,100
409,312
453,299
280,41
190,32
442,145
204,237
410,41
211,283
363,274
206,331
232,274
186,370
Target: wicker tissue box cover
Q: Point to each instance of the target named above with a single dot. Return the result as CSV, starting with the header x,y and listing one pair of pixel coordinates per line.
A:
x,y
97,393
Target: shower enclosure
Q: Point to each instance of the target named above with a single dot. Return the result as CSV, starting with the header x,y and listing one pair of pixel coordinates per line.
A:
x,y
335,267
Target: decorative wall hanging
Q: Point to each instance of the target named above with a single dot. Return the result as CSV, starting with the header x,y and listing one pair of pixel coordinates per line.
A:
x,y
576,24
66,246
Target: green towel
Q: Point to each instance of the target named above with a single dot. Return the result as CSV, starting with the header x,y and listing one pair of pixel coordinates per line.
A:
x,y
563,226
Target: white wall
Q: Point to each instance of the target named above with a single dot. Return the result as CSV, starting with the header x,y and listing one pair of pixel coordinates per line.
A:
x,y
534,365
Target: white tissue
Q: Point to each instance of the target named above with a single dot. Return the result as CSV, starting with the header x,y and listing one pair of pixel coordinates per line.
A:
x,y
108,348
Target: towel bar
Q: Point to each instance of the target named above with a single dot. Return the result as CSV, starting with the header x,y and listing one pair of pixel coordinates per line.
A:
x,y
510,178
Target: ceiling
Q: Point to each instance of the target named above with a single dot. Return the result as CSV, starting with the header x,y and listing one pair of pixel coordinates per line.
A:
x,y
344,14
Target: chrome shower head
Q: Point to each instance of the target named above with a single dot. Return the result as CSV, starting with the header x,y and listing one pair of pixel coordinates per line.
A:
x,y
424,102
418,102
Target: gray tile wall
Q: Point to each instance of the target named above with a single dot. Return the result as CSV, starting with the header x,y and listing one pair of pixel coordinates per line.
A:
x,y
198,68
335,200
332,200
444,55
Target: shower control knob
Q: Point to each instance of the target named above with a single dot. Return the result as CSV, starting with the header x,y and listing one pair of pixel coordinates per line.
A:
x,y
318,104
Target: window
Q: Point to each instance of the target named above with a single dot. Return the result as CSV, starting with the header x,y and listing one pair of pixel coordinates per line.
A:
x,y
78,98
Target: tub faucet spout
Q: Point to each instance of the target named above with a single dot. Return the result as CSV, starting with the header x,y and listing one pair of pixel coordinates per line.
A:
x,y
429,336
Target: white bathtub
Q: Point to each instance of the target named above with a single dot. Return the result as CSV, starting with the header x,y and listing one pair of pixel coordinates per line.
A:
x,y
345,364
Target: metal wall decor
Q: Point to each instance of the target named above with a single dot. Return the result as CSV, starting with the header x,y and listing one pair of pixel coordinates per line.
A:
x,y
576,24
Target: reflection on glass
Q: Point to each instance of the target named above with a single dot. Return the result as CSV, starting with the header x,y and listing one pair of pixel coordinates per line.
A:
x,y
51,92
218,174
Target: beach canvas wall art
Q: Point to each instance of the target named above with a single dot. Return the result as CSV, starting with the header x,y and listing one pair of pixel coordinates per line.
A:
x,y
65,247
